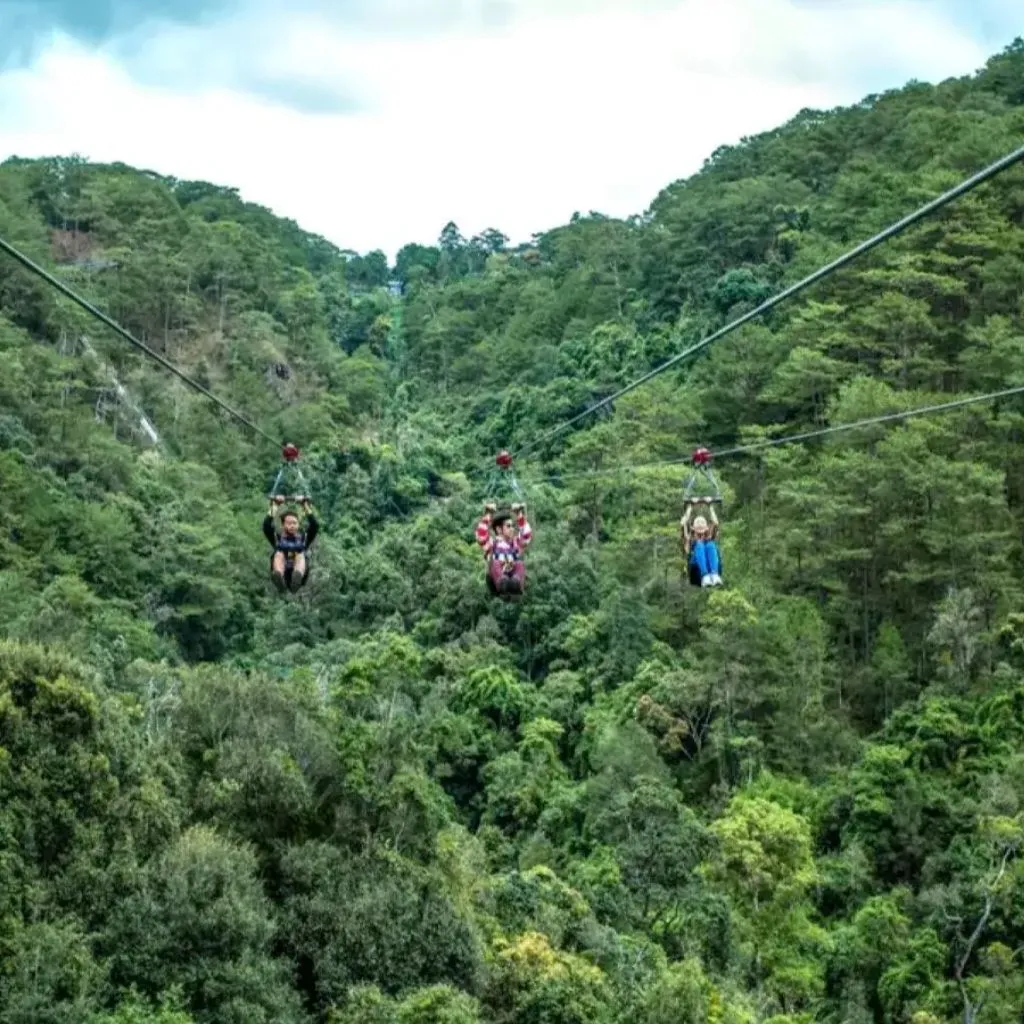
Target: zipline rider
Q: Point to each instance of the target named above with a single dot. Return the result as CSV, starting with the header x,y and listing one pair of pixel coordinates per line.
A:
x,y
288,566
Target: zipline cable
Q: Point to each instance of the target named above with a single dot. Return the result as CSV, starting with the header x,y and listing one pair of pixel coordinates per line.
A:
x,y
744,449
870,422
894,229
116,327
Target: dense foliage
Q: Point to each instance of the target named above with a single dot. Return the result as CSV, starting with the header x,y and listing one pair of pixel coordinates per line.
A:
x,y
390,800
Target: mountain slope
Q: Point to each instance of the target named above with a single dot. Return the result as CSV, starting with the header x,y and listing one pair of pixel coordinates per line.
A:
x,y
394,801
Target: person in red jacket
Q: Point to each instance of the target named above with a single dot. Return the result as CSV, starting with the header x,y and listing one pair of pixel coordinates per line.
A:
x,y
504,539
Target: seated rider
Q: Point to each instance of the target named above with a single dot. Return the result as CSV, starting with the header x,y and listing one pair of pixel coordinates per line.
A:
x,y
700,545
288,567
504,543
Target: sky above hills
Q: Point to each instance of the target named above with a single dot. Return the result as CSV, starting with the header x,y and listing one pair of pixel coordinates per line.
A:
x,y
374,122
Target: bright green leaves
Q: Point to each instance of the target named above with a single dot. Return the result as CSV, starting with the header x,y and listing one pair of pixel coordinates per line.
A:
x,y
495,694
939,808
436,1004
764,853
533,983
135,1011
764,861
684,994
913,974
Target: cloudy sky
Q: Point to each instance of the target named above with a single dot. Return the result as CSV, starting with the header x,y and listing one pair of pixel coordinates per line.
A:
x,y
374,122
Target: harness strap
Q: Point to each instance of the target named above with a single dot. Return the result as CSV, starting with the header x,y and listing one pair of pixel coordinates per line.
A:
x,y
706,473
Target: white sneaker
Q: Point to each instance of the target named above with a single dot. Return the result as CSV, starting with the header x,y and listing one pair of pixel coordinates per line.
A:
x,y
707,581
716,580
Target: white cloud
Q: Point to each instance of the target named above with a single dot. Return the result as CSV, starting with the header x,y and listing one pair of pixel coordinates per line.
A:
x,y
568,106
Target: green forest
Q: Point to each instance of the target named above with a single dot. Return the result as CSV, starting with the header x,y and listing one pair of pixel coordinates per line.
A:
x,y
391,799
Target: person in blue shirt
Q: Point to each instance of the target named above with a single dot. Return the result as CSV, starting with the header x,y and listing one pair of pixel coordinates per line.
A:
x,y
700,545
289,567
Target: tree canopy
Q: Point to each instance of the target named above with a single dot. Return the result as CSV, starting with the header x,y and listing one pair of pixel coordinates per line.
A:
x,y
392,800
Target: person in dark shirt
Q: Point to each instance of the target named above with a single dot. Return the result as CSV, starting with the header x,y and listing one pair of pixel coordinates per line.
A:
x,y
289,568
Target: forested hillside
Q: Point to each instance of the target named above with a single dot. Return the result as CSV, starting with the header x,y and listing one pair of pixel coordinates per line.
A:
x,y
393,800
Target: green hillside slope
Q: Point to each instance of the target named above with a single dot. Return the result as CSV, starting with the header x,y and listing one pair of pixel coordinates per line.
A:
x,y
391,800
